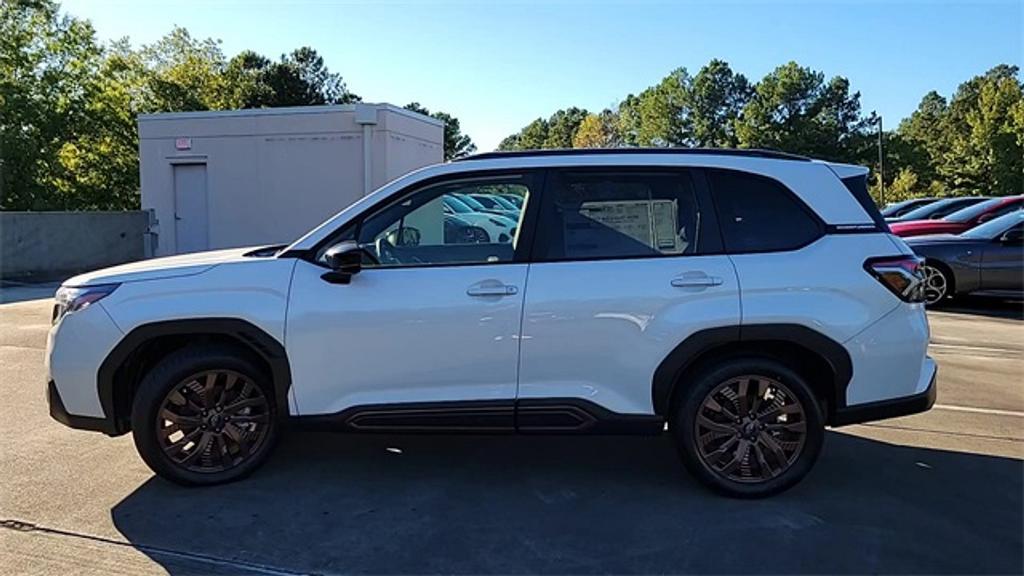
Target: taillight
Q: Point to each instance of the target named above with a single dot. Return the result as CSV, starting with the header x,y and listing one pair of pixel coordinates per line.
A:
x,y
902,275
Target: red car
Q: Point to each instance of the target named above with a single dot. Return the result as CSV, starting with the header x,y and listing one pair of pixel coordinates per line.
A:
x,y
960,220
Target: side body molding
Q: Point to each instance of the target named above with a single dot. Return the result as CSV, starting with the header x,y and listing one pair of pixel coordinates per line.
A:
x,y
245,333
691,351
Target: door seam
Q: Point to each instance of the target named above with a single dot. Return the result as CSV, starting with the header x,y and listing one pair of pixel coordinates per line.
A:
x,y
519,346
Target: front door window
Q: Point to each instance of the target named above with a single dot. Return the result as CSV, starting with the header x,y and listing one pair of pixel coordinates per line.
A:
x,y
448,224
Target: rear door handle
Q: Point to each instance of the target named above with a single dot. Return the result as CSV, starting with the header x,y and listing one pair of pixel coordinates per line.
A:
x,y
696,281
492,290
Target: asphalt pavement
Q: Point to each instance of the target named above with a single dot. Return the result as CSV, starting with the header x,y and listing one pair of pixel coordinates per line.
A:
x,y
941,492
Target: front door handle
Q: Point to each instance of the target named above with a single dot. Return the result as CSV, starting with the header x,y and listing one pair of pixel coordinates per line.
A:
x,y
492,290
696,280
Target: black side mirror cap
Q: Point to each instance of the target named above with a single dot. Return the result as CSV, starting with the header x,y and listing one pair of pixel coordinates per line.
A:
x,y
345,260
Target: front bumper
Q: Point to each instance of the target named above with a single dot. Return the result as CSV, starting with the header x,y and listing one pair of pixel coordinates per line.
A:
x,y
891,408
59,413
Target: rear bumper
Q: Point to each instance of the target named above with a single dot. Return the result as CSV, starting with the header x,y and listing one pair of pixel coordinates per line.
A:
x,y
894,407
59,413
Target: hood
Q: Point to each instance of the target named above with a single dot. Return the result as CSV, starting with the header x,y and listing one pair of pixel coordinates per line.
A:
x,y
159,268
921,227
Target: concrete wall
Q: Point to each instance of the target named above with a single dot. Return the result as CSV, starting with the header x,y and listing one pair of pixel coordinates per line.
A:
x,y
50,245
274,174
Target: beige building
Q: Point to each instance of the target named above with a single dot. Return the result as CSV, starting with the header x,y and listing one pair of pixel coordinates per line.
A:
x,y
263,176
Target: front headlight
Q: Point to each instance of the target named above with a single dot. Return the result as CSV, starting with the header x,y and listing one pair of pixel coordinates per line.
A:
x,y
72,299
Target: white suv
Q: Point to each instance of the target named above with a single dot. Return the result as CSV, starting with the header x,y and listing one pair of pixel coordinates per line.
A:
x,y
745,299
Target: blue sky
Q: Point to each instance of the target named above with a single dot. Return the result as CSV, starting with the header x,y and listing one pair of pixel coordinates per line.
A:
x,y
499,65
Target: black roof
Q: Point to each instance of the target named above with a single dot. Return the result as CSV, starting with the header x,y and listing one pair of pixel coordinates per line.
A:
x,y
746,152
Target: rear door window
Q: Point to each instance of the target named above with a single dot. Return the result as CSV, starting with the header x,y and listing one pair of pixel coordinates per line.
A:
x,y
590,215
758,214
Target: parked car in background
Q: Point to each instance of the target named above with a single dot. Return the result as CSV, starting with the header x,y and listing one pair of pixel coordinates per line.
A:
x,y
502,203
499,228
896,209
938,209
477,206
961,220
494,204
985,260
648,290
459,231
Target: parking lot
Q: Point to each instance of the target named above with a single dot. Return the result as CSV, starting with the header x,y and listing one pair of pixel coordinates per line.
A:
x,y
941,492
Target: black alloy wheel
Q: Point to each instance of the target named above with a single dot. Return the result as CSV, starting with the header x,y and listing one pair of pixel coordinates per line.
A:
x,y
212,421
205,415
750,429
748,426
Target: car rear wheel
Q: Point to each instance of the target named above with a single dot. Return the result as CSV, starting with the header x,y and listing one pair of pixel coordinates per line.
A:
x,y
936,285
204,416
748,427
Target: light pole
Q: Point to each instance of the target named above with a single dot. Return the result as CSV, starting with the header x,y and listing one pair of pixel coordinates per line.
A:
x,y
881,165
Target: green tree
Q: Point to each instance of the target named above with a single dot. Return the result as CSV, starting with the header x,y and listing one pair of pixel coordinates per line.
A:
x,y
532,137
794,109
48,69
510,142
558,131
102,160
660,115
716,98
297,79
562,127
904,186
246,79
982,152
628,125
184,73
918,141
456,144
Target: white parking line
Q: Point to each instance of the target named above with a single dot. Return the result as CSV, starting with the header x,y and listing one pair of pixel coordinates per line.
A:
x,y
991,411
965,347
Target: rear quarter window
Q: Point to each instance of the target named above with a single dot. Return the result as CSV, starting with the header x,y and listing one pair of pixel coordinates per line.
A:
x,y
758,214
858,187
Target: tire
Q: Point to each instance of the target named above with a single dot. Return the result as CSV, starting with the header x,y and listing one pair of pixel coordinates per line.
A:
x,y
938,285
227,444
710,442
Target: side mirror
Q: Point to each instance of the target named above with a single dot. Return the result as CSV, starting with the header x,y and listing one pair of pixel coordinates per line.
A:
x,y
1013,237
344,260
985,217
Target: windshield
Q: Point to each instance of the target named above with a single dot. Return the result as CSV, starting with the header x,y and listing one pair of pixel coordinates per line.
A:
x,y
895,207
472,203
939,209
901,208
972,212
456,205
994,228
486,201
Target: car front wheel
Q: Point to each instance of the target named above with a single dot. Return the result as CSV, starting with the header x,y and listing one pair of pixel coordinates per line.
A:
x,y
204,415
748,427
936,285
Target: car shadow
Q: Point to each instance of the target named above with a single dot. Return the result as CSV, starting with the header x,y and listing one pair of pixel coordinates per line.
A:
x,y
12,292
990,307
587,505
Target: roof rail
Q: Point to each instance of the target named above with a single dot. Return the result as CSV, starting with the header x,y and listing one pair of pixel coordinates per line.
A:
x,y
748,152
